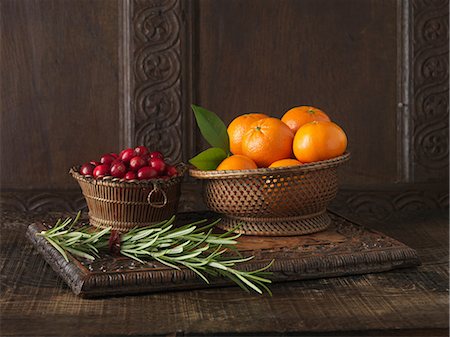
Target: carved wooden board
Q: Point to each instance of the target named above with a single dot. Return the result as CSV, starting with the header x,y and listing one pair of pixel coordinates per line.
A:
x,y
345,248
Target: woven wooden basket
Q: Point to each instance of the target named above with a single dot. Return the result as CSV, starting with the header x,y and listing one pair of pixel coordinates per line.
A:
x,y
273,201
125,204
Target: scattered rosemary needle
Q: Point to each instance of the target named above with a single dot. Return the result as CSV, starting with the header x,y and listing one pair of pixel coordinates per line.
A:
x,y
190,246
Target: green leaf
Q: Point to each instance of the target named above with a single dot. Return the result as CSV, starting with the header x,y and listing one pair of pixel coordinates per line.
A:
x,y
209,159
212,128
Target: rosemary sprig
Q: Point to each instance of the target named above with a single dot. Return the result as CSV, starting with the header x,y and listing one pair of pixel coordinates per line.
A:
x,y
190,246
82,242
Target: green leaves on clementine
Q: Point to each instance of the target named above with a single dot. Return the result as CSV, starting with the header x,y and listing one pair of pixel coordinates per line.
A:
x,y
209,159
214,131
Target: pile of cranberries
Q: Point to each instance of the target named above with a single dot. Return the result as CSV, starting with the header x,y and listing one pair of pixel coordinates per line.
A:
x,y
130,164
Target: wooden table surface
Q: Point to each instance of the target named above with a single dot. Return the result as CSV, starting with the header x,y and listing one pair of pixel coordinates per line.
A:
x,y
407,302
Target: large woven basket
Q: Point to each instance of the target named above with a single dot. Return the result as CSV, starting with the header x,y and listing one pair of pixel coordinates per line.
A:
x,y
123,205
273,201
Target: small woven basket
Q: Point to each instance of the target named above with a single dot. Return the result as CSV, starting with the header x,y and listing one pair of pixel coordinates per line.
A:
x,y
126,204
281,201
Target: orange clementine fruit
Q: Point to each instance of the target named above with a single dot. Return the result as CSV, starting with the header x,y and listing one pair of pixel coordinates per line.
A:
x,y
298,116
237,162
285,162
267,141
319,141
238,127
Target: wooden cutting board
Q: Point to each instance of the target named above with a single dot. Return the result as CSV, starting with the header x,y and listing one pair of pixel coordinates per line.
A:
x,y
345,248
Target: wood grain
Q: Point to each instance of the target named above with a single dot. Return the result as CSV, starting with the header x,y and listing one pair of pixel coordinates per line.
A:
x,y
268,56
59,86
407,302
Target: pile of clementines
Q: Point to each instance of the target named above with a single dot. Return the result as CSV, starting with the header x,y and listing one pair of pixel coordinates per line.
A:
x,y
303,135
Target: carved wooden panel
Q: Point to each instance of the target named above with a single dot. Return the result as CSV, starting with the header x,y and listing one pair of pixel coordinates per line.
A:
x,y
381,204
156,75
49,200
431,90
174,52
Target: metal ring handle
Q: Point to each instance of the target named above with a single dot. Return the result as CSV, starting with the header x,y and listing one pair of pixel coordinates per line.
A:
x,y
157,204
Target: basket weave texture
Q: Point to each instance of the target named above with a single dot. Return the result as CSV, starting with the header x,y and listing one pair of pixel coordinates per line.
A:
x,y
273,201
123,205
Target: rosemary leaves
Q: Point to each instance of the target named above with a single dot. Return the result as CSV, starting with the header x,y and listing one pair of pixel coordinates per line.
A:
x,y
193,246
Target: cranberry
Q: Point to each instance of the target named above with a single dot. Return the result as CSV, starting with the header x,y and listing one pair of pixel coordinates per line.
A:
x,y
101,170
147,172
156,154
171,171
126,155
107,159
95,163
118,169
115,155
87,169
136,163
141,150
130,175
158,164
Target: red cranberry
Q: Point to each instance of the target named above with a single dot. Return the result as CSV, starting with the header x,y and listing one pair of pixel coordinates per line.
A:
x,y
136,163
126,155
95,163
87,169
158,164
141,150
107,159
156,154
147,172
115,155
130,175
101,170
171,171
118,169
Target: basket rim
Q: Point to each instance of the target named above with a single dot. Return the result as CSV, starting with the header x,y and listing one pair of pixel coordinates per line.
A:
x,y
121,182
298,169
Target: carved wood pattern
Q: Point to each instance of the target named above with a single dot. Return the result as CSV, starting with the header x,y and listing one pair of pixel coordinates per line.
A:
x,y
379,204
430,87
343,249
50,200
382,204
157,75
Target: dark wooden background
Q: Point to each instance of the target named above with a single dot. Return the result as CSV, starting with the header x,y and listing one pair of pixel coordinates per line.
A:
x,y
81,77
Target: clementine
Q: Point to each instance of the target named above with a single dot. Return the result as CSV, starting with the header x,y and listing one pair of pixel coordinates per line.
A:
x,y
298,116
237,162
285,162
319,141
238,127
267,141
